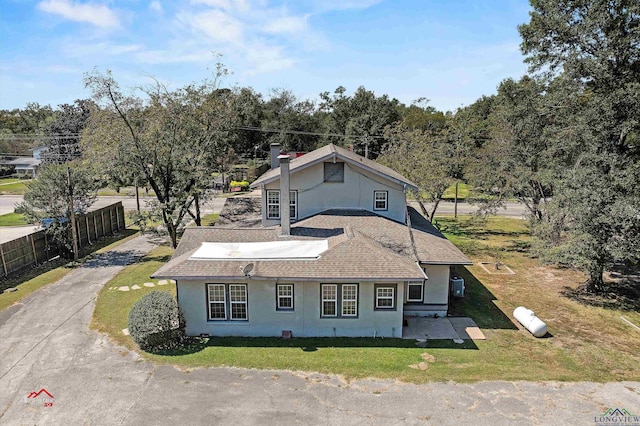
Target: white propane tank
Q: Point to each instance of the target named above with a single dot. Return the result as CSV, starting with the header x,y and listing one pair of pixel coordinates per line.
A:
x,y
527,318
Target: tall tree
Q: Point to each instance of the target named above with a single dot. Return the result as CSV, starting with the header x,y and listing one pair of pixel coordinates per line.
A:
x,y
49,197
362,118
171,138
514,161
593,48
284,111
64,129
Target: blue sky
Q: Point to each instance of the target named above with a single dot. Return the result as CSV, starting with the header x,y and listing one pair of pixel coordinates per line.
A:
x,y
449,51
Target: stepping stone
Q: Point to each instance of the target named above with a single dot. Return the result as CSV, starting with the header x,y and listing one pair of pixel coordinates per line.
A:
x,y
458,341
172,281
149,284
125,331
135,287
123,288
163,282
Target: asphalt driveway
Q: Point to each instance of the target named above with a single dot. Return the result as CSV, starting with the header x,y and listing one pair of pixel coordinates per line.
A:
x,y
45,343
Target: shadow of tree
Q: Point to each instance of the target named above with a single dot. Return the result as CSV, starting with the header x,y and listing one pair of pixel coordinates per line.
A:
x,y
478,304
623,295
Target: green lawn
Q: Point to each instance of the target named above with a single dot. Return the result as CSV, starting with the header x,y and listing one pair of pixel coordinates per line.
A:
x,y
586,342
13,219
12,186
463,192
209,219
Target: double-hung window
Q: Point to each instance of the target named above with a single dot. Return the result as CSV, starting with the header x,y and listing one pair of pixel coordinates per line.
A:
x,y
293,204
273,204
385,296
380,200
284,297
339,300
227,302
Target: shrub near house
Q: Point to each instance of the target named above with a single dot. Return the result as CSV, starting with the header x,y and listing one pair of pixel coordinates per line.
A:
x,y
156,322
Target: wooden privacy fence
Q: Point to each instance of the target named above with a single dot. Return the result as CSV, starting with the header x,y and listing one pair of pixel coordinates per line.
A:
x,y
37,248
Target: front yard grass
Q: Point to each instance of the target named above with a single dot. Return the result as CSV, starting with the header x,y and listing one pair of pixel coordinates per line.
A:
x,y
12,186
585,343
13,219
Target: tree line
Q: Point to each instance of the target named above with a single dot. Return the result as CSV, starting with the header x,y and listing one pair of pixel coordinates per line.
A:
x,y
564,140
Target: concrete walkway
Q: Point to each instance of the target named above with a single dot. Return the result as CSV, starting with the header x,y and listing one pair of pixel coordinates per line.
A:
x,y
46,344
451,328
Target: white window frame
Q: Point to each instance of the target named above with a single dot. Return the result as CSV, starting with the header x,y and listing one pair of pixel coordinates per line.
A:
x,y
244,302
293,204
348,301
415,283
333,300
379,297
280,297
275,204
228,301
217,302
385,199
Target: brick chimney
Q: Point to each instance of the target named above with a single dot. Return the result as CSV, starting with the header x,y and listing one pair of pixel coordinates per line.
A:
x,y
285,188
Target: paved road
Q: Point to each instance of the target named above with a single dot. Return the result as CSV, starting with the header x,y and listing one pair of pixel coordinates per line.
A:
x,y
46,344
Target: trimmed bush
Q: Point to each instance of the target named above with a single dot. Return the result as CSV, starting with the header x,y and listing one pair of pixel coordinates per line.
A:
x,y
156,322
242,184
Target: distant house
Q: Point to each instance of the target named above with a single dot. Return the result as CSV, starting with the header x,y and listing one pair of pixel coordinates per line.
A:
x,y
26,166
337,253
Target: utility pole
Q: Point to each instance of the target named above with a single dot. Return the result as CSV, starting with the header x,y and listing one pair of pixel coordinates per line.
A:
x,y
74,231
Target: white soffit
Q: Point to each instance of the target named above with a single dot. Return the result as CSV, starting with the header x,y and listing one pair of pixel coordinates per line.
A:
x,y
276,250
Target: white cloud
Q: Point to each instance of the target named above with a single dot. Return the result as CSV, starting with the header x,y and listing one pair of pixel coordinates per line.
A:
x,y
96,14
215,24
265,59
156,6
327,5
287,25
74,49
173,57
239,5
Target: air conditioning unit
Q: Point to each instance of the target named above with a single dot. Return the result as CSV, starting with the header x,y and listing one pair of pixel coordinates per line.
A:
x,y
457,286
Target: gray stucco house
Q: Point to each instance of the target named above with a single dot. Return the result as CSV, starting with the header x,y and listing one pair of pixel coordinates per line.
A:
x,y
337,253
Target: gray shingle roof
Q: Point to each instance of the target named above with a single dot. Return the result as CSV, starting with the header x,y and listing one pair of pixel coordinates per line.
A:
x,y
328,152
362,246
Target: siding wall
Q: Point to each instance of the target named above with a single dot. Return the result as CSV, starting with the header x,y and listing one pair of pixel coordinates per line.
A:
x,y
436,290
304,321
356,192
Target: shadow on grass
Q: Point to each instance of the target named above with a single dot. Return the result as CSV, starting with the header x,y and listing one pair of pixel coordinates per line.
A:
x,y
623,295
474,228
312,344
478,304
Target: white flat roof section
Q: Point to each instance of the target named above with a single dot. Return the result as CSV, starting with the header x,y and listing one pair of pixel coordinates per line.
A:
x,y
270,250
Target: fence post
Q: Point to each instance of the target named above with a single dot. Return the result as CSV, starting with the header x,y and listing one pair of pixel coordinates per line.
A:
x,y
4,264
33,247
104,233
117,218
86,221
